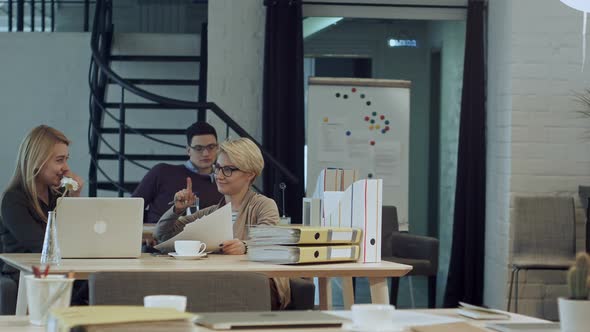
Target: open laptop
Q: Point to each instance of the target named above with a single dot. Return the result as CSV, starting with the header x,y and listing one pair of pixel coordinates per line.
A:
x,y
267,319
91,227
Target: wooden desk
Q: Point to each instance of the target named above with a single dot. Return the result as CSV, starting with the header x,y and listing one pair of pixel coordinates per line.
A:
x,y
21,323
82,268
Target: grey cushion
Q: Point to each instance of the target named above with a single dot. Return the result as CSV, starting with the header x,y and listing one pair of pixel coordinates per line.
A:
x,y
543,231
205,291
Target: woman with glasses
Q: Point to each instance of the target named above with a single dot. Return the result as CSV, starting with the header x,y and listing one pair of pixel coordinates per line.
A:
x,y
238,164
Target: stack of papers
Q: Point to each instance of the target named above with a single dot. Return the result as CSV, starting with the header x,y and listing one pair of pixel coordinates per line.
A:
x,y
476,312
285,235
303,254
115,318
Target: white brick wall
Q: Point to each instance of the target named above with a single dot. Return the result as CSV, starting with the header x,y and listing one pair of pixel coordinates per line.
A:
x,y
536,140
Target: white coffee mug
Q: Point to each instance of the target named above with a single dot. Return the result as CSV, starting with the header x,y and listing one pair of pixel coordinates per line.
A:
x,y
373,317
177,302
189,248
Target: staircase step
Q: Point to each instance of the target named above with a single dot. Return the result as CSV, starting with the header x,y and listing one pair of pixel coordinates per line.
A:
x,y
163,157
151,106
156,58
145,131
158,81
130,186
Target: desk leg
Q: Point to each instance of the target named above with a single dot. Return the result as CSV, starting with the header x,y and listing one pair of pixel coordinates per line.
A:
x,y
347,292
379,292
21,299
325,292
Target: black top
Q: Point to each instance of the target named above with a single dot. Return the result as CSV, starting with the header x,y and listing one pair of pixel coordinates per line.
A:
x,y
21,229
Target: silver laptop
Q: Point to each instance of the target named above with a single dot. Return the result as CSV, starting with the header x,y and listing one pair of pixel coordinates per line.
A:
x,y
91,227
266,319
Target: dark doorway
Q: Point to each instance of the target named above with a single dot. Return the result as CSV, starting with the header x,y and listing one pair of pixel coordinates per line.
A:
x,y
343,67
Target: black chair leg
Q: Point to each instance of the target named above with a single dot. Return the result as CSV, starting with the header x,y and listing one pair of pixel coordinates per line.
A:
x,y
393,291
510,289
432,291
516,292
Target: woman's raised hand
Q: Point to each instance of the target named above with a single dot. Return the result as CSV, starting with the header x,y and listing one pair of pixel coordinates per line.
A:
x,y
184,198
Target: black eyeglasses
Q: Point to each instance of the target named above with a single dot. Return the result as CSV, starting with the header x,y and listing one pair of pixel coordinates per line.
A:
x,y
226,170
201,148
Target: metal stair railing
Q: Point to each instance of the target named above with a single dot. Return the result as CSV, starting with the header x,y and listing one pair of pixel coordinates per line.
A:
x,y
100,75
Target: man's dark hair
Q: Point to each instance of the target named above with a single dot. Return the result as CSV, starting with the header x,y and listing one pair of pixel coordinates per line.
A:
x,y
199,128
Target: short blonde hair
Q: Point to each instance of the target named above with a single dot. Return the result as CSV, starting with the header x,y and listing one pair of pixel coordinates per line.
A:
x,y
245,155
34,152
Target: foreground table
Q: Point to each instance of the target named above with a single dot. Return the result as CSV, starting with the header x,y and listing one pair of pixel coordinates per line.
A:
x,y
377,273
21,323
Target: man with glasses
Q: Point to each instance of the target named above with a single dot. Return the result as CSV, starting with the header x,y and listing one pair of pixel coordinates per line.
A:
x,y
160,184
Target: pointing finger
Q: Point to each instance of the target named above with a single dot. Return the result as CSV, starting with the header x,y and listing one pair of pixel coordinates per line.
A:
x,y
189,185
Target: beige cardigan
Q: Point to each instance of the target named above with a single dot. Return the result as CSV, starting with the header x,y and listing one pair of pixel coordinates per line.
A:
x,y
256,209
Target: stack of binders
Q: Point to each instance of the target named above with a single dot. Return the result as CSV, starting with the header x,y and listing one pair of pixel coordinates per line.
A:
x,y
301,244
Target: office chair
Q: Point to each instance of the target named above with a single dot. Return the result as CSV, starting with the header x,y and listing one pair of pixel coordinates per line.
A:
x,y
543,236
421,252
205,291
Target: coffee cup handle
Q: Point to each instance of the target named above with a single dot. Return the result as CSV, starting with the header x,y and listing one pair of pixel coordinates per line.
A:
x,y
202,248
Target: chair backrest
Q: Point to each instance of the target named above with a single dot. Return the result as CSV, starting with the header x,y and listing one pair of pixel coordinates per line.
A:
x,y
205,291
543,228
389,225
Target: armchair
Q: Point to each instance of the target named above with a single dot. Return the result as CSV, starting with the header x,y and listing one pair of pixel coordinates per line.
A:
x,y
421,252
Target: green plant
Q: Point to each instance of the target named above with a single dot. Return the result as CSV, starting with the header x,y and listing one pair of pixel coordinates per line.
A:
x,y
577,277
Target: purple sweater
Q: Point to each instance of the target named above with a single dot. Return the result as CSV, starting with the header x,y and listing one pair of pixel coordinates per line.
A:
x,y
160,184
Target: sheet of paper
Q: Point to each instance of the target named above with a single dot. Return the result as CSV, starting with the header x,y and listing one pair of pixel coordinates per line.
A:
x,y
403,319
331,145
388,163
211,229
359,148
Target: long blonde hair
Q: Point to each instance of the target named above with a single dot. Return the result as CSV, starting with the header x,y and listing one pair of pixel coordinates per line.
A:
x,y
34,152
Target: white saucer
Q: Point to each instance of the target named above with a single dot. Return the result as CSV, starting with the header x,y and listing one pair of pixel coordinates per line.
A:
x,y
355,328
187,257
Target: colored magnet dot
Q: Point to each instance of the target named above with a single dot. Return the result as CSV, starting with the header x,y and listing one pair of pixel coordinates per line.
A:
x,y
387,128
371,127
337,95
326,119
382,117
386,122
372,142
366,118
368,103
370,175
383,131
348,133
374,113
372,121
377,127
345,96
362,96
353,89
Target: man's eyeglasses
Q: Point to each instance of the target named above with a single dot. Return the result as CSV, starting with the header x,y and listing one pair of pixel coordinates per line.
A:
x,y
226,170
201,148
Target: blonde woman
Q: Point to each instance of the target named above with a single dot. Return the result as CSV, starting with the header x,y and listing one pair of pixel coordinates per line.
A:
x,y
239,163
33,190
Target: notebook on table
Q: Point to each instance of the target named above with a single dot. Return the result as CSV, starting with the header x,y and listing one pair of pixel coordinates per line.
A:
x,y
99,227
268,319
524,327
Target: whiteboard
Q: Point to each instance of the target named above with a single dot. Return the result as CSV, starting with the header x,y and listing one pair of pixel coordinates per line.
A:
x,y
362,124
